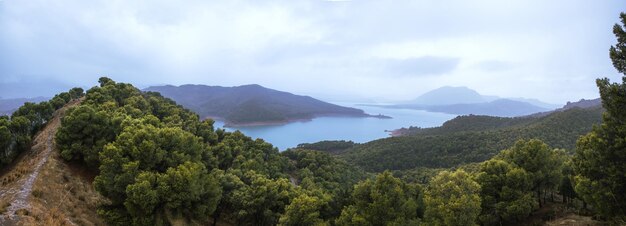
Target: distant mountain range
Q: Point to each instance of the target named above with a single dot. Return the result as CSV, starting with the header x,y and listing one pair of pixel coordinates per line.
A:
x,y
500,107
582,103
463,101
249,105
8,106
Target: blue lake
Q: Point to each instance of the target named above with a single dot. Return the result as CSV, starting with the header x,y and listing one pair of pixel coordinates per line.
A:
x,y
359,130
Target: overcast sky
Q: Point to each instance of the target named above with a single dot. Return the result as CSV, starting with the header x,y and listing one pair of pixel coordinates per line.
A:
x,y
333,50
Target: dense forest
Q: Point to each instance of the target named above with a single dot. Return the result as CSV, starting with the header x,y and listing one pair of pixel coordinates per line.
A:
x,y
332,146
468,139
157,163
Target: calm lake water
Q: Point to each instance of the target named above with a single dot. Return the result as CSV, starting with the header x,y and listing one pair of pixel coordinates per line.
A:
x,y
359,130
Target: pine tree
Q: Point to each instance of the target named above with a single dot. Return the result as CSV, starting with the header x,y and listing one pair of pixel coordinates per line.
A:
x,y
506,192
383,201
600,160
452,198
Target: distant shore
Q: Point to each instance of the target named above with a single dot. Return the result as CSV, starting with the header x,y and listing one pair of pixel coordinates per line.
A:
x,y
396,132
284,122
264,123
380,116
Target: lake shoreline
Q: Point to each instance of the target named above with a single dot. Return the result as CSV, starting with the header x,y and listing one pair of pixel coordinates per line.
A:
x,y
396,132
235,125
362,129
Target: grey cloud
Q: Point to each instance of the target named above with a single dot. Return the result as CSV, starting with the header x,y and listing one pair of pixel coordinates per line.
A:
x,y
272,42
421,66
493,66
33,88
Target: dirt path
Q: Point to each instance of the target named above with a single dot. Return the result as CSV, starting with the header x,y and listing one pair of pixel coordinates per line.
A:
x,y
24,186
15,197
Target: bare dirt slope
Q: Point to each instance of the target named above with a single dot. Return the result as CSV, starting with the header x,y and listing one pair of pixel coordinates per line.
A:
x,y
573,220
42,189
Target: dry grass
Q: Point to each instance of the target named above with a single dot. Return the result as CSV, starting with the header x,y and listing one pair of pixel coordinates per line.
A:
x,y
70,195
3,207
557,213
55,218
14,175
573,220
22,212
61,195
37,193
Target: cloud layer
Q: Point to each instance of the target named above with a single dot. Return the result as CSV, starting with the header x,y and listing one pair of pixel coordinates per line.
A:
x,y
382,50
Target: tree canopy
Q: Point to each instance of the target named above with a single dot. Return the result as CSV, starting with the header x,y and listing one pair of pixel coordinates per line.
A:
x,y
16,132
506,193
383,201
600,160
452,198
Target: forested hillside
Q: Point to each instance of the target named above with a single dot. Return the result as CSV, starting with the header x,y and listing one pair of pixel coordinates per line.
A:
x,y
158,163
17,130
332,146
466,123
250,104
582,103
468,139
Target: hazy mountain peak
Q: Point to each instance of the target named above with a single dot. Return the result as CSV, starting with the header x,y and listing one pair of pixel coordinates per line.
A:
x,y
449,95
251,86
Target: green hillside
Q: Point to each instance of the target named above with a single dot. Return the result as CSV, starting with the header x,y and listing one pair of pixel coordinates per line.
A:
x,y
468,139
157,163
17,131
